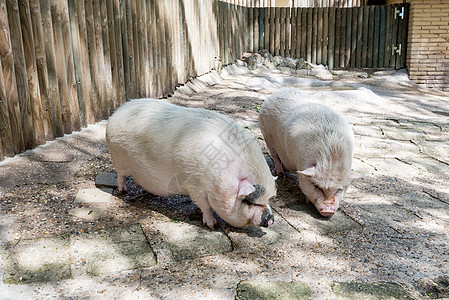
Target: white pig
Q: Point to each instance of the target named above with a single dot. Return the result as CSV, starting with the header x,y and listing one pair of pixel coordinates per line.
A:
x,y
311,139
169,149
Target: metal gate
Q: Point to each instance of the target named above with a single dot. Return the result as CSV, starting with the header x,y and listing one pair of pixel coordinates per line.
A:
x,y
360,37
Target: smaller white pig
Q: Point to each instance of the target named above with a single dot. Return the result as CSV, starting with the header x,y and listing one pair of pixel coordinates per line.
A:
x,y
311,139
171,150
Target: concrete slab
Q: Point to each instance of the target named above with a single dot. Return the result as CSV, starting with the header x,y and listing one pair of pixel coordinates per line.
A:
x,y
87,213
280,231
369,291
35,261
106,179
187,241
256,289
112,250
93,196
300,213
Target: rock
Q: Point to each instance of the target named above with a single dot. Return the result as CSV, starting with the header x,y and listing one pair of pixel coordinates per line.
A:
x,y
369,291
251,63
87,213
257,289
290,62
300,63
278,61
106,179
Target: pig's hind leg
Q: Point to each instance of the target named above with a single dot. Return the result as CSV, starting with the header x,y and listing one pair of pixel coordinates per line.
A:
x,y
121,182
278,169
200,199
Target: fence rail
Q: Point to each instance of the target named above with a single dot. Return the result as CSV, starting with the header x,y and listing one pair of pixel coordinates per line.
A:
x,y
68,63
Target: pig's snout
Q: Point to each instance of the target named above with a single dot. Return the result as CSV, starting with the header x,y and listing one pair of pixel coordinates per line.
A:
x,y
327,211
267,218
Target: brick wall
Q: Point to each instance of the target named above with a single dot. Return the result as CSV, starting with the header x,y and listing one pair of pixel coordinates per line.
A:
x,y
428,42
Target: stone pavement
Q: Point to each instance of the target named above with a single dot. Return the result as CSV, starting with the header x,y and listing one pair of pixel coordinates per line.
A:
x,y
389,240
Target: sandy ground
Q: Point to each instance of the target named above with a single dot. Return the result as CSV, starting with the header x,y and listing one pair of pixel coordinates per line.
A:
x,y
393,225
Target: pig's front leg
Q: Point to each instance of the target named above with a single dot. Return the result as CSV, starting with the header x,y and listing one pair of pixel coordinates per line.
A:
x,y
200,199
121,182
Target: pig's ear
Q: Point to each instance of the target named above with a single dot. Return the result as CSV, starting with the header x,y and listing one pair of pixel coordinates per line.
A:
x,y
245,188
310,172
355,175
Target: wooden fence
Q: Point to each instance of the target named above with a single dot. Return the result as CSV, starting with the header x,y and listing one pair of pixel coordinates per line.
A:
x,y
68,63
360,37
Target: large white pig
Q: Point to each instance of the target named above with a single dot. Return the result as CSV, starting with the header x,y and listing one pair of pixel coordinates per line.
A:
x,y
311,139
170,150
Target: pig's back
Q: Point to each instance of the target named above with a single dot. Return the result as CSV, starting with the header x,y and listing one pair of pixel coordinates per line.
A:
x,y
157,142
306,131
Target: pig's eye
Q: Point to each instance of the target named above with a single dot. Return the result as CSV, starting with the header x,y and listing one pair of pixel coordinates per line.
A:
x,y
317,187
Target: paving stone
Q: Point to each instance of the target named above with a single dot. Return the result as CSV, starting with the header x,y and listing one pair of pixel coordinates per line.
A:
x,y
106,179
369,291
93,196
302,212
256,289
38,260
187,241
280,231
87,213
113,250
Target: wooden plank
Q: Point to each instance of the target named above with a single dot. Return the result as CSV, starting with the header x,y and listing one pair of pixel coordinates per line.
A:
x,y
10,106
136,46
309,33
266,28
161,52
113,53
338,32
360,14
348,37
314,35
382,36
376,36
21,74
41,68
319,47
109,90
256,29
277,41
402,36
288,33
76,50
50,57
6,137
272,30
101,70
85,93
369,60
157,60
325,35
365,37
68,56
251,28
145,68
282,31
118,17
298,32
354,35
94,70
303,33
330,57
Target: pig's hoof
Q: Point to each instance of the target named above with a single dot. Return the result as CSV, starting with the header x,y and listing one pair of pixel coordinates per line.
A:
x,y
209,222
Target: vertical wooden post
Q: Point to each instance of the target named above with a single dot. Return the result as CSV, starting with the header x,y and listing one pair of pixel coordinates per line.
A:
x,y
104,92
10,84
21,74
50,56
109,88
6,138
120,57
41,65
94,70
87,90
68,56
